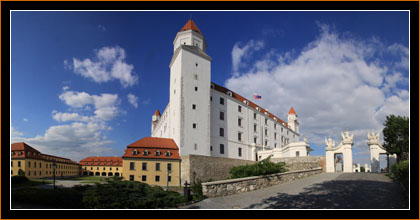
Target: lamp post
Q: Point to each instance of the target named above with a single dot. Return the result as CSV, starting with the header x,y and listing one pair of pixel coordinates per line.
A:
x,y
54,166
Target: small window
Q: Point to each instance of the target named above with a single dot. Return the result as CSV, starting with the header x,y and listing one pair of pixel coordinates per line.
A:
x,y
222,101
275,145
169,166
266,132
20,153
143,178
157,166
195,146
222,149
239,108
275,135
145,152
239,122
174,91
18,163
13,153
131,177
211,148
297,153
266,143
196,88
222,116
239,136
194,125
144,166
157,153
135,152
196,64
168,153
211,98
255,116
275,126
240,152
255,140
169,178
266,120
194,106
12,164
29,163
196,76
157,178
222,132
255,127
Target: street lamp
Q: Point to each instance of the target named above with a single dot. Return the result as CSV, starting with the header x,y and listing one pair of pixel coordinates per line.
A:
x,y
54,166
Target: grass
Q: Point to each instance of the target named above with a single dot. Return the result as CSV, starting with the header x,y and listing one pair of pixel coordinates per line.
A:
x,y
32,182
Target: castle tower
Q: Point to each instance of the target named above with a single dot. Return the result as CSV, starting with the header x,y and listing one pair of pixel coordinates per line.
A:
x,y
189,99
155,119
292,120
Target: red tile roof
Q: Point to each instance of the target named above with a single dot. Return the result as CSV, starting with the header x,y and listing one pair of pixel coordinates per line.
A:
x,y
250,103
148,146
157,112
102,161
190,25
292,111
29,152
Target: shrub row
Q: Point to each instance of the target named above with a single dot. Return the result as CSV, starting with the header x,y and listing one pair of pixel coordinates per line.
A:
x,y
263,167
400,172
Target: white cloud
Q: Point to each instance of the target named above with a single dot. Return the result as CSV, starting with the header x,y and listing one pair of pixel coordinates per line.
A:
x,y
25,120
241,53
333,83
65,88
75,141
133,100
109,64
106,106
101,27
14,132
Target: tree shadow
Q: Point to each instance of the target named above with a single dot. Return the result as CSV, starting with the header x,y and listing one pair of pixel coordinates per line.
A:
x,y
340,194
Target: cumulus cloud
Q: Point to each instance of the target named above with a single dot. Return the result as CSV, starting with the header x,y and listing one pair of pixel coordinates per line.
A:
x,y
25,120
133,100
109,64
14,132
240,53
105,105
334,83
75,140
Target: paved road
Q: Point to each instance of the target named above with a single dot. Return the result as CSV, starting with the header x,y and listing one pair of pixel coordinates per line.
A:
x,y
64,183
322,191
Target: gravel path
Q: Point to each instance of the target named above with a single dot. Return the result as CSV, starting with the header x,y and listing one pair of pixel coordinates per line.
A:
x,y
322,191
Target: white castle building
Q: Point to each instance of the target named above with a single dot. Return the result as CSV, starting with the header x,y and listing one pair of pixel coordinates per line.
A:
x,y
204,118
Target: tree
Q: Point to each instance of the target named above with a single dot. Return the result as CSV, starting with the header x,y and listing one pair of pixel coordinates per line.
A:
x,y
396,135
362,169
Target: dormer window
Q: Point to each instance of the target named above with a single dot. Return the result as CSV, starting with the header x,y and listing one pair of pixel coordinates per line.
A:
x,y
20,153
212,86
13,153
29,153
168,153
246,102
135,152
258,108
146,152
157,153
229,93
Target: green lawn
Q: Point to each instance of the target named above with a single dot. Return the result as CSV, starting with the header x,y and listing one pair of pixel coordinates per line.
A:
x,y
89,178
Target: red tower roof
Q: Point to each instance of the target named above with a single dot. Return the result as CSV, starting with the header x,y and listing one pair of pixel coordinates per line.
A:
x,y
190,25
292,111
157,112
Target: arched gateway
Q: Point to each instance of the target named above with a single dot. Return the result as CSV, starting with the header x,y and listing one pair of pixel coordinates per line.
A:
x,y
376,150
344,148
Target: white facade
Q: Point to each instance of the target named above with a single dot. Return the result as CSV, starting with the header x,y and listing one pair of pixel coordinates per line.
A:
x,y
193,118
296,149
345,148
376,149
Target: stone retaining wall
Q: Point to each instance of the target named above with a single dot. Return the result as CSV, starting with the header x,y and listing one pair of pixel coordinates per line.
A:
x,y
207,168
235,186
301,163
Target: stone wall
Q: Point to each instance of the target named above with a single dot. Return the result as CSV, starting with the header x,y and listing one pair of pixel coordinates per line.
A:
x,y
301,163
208,168
235,186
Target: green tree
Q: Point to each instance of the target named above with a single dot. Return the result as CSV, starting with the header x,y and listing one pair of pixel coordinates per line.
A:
x,y
396,135
362,169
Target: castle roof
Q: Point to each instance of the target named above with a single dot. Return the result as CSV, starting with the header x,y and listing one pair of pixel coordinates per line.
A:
x,y
157,112
153,148
250,103
190,25
102,161
23,150
292,111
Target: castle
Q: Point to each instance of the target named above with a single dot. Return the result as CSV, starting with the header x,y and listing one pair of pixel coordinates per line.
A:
x,y
206,119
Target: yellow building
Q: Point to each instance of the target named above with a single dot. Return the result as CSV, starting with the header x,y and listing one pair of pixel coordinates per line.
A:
x,y
102,166
153,161
34,164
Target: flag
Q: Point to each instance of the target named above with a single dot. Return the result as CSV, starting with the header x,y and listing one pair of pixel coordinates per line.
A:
x,y
256,96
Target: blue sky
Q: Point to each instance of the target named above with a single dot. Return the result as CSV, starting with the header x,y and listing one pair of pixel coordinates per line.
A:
x,y
73,72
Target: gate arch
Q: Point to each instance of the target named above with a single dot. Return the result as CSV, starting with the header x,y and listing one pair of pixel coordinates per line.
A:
x,y
345,148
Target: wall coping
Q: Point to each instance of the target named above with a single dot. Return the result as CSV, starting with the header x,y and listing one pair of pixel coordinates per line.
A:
x,y
257,177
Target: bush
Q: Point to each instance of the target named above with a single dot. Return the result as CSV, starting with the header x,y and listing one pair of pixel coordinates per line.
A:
x,y
197,190
59,198
129,194
263,167
400,172
19,180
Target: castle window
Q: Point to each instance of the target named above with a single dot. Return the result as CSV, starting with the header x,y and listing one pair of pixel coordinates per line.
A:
x,y
135,152
266,121
29,163
168,153
222,132
131,177
194,125
266,143
229,93
211,98
195,146
20,153
222,116
240,152
255,115
145,152
169,178
18,163
222,101
195,76
196,64
174,91
239,136
239,108
275,145
266,132
239,122
211,148
143,178
157,178
157,153
255,140
13,153
157,166
255,127
12,164
275,126
194,106
131,165
275,135
222,149
196,88
281,129
169,166
297,153
144,166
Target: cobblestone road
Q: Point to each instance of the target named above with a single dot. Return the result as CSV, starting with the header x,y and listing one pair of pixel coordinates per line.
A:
x,y
322,191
